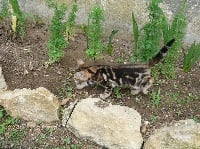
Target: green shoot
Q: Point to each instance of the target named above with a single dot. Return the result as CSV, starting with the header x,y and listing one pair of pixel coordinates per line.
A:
x,y
117,91
155,98
135,33
153,118
110,48
71,21
57,42
95,32
18,19
191,57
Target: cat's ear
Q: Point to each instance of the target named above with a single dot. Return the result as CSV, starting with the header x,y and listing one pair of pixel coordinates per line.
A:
x,y
80,63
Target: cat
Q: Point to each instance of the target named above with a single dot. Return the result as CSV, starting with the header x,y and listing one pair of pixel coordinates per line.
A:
x,y
137,77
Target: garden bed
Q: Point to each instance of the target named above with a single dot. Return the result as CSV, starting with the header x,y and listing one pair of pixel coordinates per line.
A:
x,y
24,65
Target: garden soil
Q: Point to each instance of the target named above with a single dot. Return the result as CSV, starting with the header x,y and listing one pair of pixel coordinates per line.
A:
x,y
25,65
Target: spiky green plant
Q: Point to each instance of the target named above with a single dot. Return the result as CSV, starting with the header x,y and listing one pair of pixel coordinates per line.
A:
x,y
110,48
191,57
176,30
71,20
135,33
57,42
95,33
147,40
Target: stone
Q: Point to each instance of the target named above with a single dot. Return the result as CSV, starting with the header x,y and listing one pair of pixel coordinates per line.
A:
x,y
32,105
111,126
3,85
184,134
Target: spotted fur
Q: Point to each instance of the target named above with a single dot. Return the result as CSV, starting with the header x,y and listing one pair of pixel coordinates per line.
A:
x,y
137,77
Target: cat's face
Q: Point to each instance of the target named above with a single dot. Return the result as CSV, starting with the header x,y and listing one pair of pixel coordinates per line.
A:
x,y
83,77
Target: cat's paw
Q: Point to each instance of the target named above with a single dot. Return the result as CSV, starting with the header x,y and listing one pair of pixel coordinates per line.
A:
x,y
145,92
105,95
135,92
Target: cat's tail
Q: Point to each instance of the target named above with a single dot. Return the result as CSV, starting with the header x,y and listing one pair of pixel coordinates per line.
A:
x,y
158,57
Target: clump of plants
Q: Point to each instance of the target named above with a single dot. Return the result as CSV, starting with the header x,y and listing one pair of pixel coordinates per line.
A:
x,y
176,30
18,19
71,21
147,39
191,57
94,33
57,42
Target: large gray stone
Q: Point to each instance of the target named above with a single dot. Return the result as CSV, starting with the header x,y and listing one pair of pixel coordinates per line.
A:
x,y
184,134
32,105
112,126
3,85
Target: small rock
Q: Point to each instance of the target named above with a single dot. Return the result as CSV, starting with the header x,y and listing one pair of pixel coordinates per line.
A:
x,y
3,85
181,135
64,101
31,124
111,126
26,72
31,105
30,66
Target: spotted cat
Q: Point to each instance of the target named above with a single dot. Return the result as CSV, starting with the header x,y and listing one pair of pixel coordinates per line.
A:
x,y
137,77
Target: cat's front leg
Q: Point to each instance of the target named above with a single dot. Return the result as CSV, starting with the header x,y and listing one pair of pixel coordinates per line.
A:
x,y
107,93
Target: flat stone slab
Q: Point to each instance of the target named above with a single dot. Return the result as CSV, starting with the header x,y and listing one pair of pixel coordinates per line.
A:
x,y
184,134
111,126
32,105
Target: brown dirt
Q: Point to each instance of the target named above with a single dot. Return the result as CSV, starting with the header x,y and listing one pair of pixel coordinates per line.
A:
x,y
24,66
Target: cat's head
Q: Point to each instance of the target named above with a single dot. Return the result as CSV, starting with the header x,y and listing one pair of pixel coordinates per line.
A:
x,y
84,77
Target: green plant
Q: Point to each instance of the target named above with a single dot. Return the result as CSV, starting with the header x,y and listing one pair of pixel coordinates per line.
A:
x,y
155,98
153,118
41,138
117,92
191,57
5,120
110,48
121,59
177,31
189,98
175,98
196,119
16,136
68,142
147,39
4,11
95,32
66,91
179,112
18,19
71,20
57,42
37,20
135,33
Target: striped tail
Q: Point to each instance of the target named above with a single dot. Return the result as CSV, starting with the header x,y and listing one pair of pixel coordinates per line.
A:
x,y
156,59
